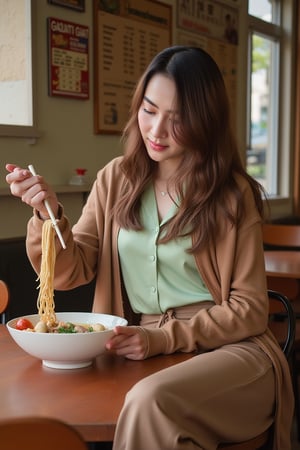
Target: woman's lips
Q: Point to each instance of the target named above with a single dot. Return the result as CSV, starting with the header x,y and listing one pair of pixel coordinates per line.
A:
x,y
157,147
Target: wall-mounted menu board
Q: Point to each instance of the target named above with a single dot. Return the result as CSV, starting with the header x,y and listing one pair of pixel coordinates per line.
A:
x,y
127,36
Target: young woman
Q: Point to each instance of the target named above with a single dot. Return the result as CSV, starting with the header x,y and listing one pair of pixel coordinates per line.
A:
x,y
172,233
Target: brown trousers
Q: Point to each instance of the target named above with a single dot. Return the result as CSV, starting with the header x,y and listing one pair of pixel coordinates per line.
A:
x,y
225,395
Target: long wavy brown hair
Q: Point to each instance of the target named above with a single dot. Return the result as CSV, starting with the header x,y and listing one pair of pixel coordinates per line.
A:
x,y
211,161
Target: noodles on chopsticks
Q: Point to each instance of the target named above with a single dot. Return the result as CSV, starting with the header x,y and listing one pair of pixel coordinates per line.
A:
x,y
48,322
45,301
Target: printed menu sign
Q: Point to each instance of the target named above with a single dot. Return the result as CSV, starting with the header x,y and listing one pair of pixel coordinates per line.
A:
x,y
68,59
128,35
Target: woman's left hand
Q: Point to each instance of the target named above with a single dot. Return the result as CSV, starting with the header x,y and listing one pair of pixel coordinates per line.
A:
x,y
130,342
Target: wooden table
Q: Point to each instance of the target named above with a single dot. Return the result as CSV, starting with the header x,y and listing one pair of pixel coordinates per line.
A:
x,y
285,264
89,399
283,272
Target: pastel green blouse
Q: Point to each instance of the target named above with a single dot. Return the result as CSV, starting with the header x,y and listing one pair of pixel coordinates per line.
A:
x,y
158,277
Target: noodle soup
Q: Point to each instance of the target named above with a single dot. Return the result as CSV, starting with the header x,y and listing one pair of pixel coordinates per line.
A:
x,y
66,350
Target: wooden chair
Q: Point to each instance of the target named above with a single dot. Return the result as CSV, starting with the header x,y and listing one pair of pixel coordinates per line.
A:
x,y
278,236
282,236
264,440
39,433
4,297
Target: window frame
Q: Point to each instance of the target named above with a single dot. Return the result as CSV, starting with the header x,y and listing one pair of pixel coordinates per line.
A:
x,y
282,203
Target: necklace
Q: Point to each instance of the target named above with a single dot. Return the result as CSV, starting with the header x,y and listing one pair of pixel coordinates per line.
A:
x,y
162,193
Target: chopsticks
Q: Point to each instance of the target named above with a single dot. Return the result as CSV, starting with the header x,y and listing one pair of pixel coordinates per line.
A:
x,y
50,212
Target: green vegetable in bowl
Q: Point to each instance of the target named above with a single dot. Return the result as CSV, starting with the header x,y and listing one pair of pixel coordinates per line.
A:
x,y
68,327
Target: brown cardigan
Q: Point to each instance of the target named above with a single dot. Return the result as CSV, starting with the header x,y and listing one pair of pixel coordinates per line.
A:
x,y
232,268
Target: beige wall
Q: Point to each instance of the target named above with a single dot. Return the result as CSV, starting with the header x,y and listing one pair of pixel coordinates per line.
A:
x,y
67,138
66,125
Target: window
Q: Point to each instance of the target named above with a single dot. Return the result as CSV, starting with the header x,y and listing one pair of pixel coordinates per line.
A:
x,y
16,107
270,95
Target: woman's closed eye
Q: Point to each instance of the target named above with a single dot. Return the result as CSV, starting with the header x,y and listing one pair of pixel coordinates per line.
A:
x,y
174,118
147,111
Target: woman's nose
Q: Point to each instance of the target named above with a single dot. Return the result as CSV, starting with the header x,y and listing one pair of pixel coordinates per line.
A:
x,y
159,128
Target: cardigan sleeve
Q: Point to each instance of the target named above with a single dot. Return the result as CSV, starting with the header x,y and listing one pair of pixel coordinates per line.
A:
x,y
79,262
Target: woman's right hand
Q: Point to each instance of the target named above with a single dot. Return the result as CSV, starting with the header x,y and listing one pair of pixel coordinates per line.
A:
x,y
32,189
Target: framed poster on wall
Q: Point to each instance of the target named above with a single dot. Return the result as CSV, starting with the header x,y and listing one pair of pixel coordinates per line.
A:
x,y
213,18
213,26
68,59
78,5
127,36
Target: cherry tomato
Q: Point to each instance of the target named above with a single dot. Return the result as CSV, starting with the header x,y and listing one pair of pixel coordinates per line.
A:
x,y
23,324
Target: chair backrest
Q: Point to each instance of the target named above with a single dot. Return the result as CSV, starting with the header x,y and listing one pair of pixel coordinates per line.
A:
x,y
264,439
286,341
4,296
39,433
278,235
